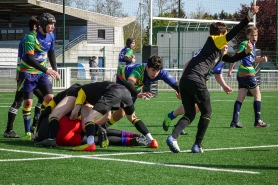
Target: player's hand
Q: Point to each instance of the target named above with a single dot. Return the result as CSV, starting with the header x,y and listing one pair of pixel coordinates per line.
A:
x,y
227,89
264,58
145,95
54,74
229,74
249,47
178,95
253,11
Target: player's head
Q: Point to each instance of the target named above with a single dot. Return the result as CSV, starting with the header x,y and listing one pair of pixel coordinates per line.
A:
x,y
47,22
252,34
33,22
154,65
218,28
94,57
130,42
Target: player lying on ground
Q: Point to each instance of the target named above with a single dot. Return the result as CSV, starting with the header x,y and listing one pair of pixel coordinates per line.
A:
x,y
104,96
71,134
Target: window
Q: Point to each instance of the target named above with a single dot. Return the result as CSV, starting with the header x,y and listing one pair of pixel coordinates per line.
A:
x,y
18,34
11,34
59,33
101,34
3,34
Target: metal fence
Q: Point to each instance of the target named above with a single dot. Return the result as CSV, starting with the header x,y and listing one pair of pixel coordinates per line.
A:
x,y
71,75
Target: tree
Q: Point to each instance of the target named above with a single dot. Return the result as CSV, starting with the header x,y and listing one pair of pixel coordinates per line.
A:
x,y
200,13
265,22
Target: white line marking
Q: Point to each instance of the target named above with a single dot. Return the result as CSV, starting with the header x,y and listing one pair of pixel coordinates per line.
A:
x,y
176,166
61,156
33,159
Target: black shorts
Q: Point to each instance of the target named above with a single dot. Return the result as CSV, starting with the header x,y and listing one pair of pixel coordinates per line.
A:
x,y
193,90
113,99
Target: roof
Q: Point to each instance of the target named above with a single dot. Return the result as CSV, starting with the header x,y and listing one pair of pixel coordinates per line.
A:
x,y
20,8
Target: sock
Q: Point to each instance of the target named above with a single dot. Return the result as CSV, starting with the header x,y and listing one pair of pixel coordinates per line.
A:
x,y
11,117
126,141
110,122
45,114
237,107
257,111
180,126
149,137
37,114
90,140
171,115
53,127
202,128
127,134
140,126
26,112
90,128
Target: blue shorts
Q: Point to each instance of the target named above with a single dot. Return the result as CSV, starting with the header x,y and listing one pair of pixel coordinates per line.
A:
x,y
28,82
248,82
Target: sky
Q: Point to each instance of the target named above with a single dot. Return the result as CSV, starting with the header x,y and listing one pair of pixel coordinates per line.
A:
x,y
212,6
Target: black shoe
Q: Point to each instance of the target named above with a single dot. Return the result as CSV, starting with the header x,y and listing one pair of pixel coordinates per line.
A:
x,y
10,134
261,124
139,141
236,125
102,137
46,143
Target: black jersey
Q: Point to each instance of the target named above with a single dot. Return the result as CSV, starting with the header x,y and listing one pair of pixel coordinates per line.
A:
x,y
61,95
91,93
205,59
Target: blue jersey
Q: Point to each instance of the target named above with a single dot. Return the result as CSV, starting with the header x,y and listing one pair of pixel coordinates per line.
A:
x,y
138,73
125,52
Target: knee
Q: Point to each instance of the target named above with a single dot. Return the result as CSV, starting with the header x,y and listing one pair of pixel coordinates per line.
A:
x,y
28,103
47,98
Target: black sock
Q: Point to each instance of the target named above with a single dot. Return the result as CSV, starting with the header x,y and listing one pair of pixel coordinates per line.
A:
x,y
180,126
90,128
53,127
140,126
202,128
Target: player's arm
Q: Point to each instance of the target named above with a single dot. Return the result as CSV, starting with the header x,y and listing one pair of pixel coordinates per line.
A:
x,y
52,59
129,56
130,86
167,78
261,59
242,24
219,78
80,100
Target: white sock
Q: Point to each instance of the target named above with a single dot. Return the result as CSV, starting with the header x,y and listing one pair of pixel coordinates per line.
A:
x,y
149,137
90,140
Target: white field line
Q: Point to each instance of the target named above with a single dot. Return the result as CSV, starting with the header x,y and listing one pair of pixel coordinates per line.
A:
x,y
60,156
174,165
34,159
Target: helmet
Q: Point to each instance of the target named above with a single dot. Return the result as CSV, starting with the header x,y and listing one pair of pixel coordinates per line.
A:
x,y
45,19
129,41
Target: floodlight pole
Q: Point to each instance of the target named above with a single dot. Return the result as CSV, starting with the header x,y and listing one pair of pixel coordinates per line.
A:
x,y
179,34
64,33
169,33
151,23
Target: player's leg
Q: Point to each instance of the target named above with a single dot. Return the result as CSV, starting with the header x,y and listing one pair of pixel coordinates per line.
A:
x,y
90,129
140,126
37,111
18,99
116,116
257,108
170,116
242,90
64,107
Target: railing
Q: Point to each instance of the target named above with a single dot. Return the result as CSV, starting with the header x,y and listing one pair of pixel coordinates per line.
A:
x,y
70,75
71,44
